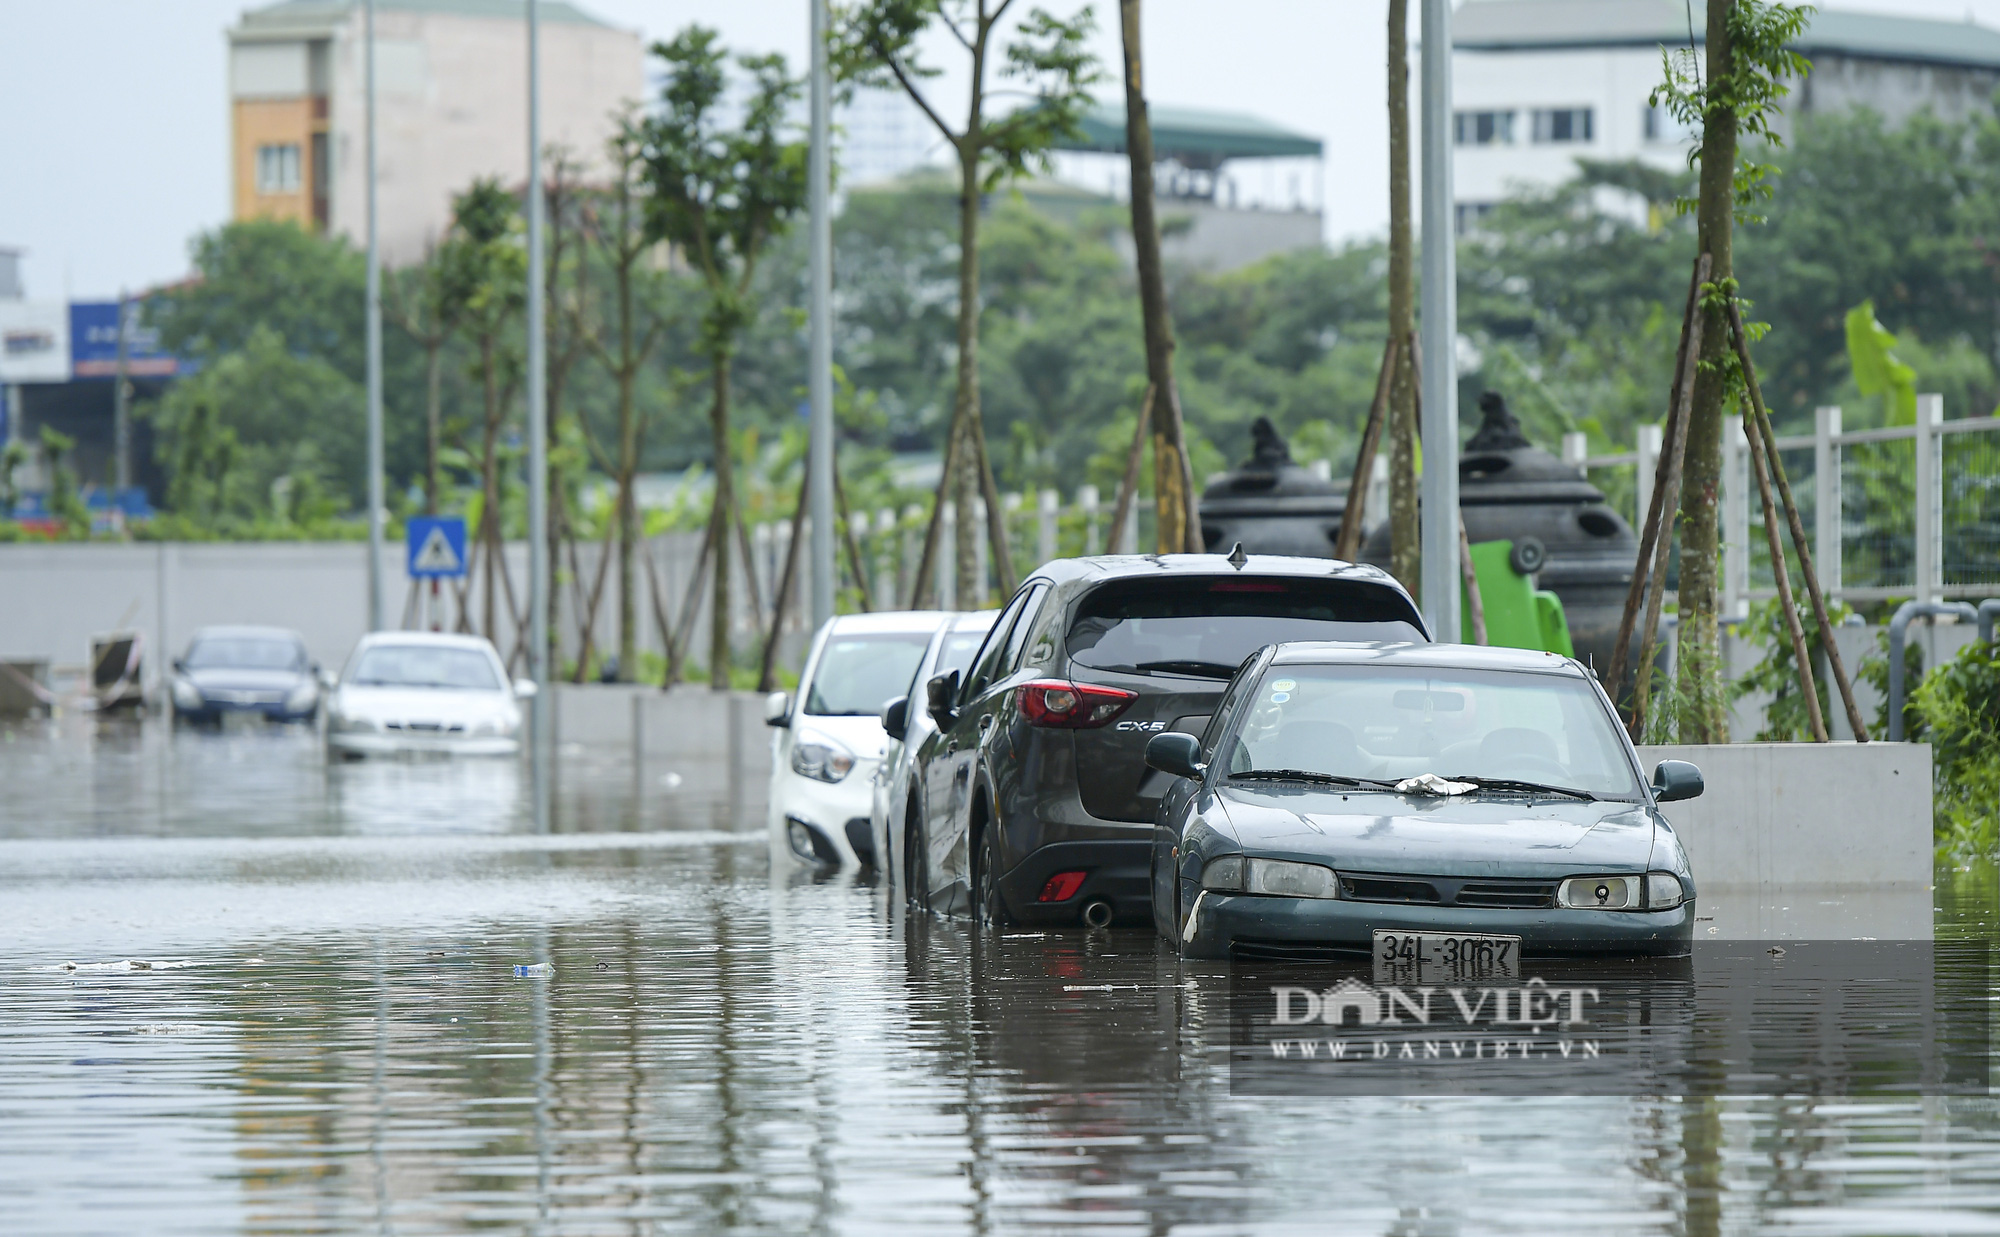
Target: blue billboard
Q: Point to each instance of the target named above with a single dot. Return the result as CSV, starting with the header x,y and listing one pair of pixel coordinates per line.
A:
x,y
93,342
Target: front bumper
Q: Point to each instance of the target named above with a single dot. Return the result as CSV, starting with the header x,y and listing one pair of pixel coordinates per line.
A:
x,y
836,812
210,710
378,743
1118,872
1273,927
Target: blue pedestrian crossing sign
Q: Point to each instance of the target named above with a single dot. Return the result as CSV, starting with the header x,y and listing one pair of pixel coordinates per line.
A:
x,y
436,546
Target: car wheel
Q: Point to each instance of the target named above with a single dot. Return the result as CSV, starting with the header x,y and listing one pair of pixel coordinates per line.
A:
x,y
987,903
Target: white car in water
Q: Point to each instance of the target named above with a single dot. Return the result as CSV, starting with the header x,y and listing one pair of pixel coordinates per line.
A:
x,y
905,724
412,691
828,739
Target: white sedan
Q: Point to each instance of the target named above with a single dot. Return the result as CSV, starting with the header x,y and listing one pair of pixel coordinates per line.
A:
x,y
829,738
409,691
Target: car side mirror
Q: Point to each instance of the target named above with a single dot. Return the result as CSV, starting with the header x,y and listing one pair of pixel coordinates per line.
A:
x,y
1674,780
525,689
325,677
180,665
896,718
940,694
778,709
1175,753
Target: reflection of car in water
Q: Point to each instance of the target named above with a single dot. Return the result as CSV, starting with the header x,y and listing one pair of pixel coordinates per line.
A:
x,y
827,741
422,692
1421,804
263,670
906,724
1033,801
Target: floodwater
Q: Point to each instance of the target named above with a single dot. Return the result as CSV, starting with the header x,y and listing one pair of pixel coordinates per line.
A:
x,y
377,1002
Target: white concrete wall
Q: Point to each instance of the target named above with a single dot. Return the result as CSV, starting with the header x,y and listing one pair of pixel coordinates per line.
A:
x,y
1806,814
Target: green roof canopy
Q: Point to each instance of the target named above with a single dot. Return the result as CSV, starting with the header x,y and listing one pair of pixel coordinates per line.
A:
x,y
1191,136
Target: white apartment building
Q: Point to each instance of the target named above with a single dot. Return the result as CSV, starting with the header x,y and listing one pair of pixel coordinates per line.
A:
x,y
1537,84
451,106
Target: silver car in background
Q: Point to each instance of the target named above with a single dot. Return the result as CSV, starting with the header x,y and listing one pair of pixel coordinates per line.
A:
x,y
411,691
906,727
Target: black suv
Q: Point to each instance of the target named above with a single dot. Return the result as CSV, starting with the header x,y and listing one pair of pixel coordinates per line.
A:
x,y
1032,802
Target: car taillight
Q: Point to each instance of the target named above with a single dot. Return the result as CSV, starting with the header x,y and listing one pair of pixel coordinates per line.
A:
x,y
1062,887
1064,705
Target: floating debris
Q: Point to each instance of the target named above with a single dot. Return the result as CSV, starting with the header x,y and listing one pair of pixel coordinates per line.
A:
x,y
128,964
533,971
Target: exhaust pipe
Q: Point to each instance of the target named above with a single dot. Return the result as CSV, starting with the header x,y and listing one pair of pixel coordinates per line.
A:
x,y
1097,914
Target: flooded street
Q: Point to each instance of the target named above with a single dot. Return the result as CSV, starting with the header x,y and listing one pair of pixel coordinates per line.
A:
x,y
375,1001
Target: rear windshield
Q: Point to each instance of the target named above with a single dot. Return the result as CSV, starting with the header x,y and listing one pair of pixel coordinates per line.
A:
x,y
1207,625
857,675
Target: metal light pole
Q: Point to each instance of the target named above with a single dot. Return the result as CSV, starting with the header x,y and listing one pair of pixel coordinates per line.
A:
x,y
538,445
1438,495
121,404
819,381
374,331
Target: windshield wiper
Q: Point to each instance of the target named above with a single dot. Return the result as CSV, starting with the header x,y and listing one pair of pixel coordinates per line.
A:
x,y
1508,783
1303,775
1202,669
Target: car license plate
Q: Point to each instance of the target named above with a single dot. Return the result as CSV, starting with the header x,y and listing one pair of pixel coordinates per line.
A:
x,y
1425,956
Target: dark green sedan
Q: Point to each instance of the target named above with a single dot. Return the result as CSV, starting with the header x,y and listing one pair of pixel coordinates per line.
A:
x,y
1421,804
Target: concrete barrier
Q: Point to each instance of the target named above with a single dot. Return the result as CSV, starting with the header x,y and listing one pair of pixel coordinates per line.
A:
x,y
1828,815
690,730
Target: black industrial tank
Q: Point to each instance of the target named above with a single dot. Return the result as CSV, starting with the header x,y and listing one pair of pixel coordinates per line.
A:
x,y
1272,504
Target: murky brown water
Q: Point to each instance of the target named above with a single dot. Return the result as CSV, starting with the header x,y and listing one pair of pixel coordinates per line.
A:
x,y
704,1047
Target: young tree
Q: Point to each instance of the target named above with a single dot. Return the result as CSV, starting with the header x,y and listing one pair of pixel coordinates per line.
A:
x,y
618,225
875,44
428,301
1403,529
1179,526
720,195
487,219
1749,58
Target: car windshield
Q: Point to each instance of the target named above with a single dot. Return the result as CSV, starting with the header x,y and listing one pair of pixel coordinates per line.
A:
x,y
1208,625
245,653
422,665
857,675
1390,723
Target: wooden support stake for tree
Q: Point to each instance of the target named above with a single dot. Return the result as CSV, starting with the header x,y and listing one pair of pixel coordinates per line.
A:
x,y
1348,543
1762,418
690,605
588,637
751,592
1128,486
1792,627
767,666
660,606
853,546
1475,606
923,586
1670,448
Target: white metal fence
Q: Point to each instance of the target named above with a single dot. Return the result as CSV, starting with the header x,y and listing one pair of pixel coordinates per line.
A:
x,y
1904,511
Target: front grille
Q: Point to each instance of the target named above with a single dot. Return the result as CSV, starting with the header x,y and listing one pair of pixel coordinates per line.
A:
x,y
428,727
1387,889
1251,949
1450,891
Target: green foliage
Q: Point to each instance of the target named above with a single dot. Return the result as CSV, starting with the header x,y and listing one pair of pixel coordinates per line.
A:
x,y
65,506
1761,34
1959,703
1776,673
1877,369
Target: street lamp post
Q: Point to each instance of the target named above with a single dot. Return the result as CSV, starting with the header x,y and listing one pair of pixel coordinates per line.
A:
x,y
819,380
374,333
538,462
1438,496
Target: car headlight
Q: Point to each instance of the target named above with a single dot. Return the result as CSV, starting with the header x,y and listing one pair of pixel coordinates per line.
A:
x,y
822,761
1275,877
1655,891
303,697
186,695
342,724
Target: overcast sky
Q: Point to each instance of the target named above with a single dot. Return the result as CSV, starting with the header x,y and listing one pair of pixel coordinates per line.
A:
x,y
115,147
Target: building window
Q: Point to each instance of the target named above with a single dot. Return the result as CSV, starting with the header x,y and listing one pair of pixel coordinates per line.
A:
x,y
1562,124
1661,126
278,169
1483,128
1467,216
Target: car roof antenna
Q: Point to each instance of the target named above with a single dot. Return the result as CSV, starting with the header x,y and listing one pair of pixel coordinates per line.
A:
x,y
1237,557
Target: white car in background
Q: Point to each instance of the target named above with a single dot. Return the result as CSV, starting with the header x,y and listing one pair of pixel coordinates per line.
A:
x,y
905,725
827,740
414,691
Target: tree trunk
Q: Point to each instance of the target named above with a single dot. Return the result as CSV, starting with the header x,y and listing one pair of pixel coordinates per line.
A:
x,y
1704,706
433,417
1179,530
970,592
725,507
1404,557
628,461
489,484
